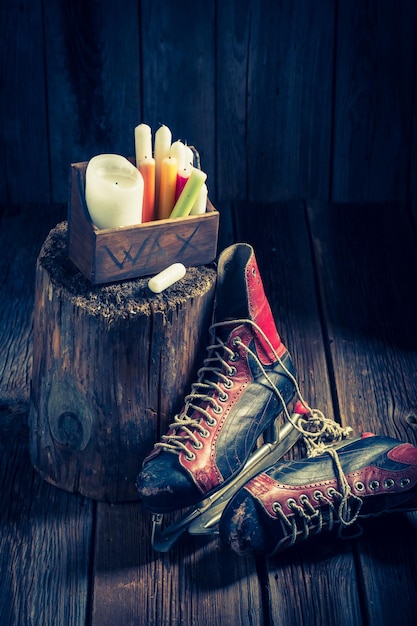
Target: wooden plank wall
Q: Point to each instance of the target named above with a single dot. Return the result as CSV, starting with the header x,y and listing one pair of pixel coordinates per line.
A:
x,y
284,98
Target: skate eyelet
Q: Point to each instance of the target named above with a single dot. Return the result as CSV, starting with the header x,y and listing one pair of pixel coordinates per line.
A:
x,y
291,503
304,498
217,409
318,495
232,371
236,341
389,483
234,358
331,492
404,482
190,456
359,486
223,397
276,507
374,485
205,433
210,421
228,384
197,445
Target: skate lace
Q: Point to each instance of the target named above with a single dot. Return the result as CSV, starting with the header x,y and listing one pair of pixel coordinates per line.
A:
x,y
341,506
187,423
318,432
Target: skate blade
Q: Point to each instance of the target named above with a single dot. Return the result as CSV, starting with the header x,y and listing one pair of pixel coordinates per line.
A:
x,y
205,516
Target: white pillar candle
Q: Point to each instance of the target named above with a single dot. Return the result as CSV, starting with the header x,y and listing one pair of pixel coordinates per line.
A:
x,y
113,191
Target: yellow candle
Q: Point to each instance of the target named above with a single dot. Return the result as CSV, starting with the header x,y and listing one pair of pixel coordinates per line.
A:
x,y
147,169
167,187
189,194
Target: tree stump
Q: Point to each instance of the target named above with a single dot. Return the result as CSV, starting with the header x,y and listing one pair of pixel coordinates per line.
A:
x,y
111,366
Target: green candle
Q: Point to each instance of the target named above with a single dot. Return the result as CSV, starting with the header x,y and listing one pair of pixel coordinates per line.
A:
x,y
189,194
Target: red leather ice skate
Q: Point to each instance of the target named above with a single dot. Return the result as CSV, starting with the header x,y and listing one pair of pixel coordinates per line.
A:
x,y
243,387
246,380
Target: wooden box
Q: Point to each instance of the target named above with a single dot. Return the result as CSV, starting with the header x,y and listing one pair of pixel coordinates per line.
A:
x,y
133,251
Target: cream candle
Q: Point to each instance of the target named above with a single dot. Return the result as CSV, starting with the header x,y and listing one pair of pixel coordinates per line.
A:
x,y
188,157
163,137
167,277
143,143
177,150
200,205
113,191
189,194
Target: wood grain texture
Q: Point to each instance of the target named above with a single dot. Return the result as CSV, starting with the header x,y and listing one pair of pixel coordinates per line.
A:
x,y
289,100
370,302
22,232
24,158
197,583
314,584
178,74
232,57
374,100
346,313
93,80
367,261
283,100
110,368
280,239
412,165
44,539
304,583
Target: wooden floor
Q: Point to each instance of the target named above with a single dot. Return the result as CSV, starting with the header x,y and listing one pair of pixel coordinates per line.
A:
x,y
342,285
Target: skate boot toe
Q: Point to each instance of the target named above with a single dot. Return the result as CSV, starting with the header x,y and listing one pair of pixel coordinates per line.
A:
x,y
164,486
241,527
294,500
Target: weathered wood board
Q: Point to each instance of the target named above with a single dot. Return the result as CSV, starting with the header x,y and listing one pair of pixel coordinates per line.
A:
x,y
340,283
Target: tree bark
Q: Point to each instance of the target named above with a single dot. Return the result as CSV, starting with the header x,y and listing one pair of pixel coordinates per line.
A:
x,y
111,366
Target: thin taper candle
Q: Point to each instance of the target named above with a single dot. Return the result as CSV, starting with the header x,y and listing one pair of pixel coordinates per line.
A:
x,y
200,205
189,157
163,138
143,143
177,150
182,178
167,187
